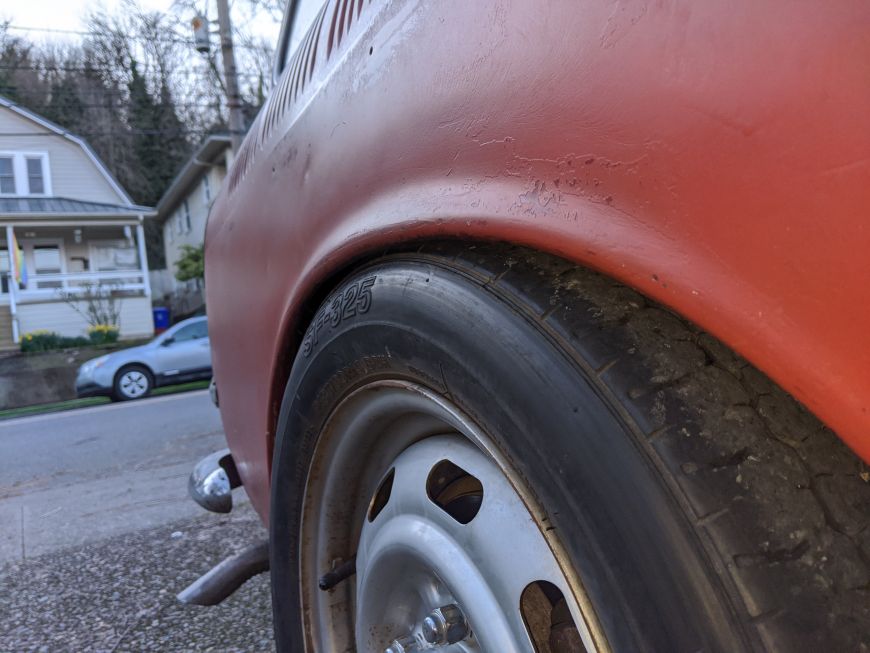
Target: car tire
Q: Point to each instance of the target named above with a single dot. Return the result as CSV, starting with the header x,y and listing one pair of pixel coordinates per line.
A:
x,y
132,382
700,507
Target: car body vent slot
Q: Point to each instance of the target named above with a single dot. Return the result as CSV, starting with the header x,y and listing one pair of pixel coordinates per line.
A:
x,y
312,59
240,165
297,75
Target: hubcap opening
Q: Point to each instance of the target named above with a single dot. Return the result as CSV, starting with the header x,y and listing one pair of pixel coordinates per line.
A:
x,y
382,496
548,619
455,491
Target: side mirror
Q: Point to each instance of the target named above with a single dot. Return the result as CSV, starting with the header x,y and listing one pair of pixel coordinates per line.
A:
x,y
167,342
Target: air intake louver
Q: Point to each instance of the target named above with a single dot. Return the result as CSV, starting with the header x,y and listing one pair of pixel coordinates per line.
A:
x,y
295,78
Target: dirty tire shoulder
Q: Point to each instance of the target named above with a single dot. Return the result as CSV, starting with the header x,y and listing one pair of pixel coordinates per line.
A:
x,y
781,506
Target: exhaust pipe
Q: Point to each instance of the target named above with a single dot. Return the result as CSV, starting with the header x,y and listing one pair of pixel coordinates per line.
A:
x,y
227,576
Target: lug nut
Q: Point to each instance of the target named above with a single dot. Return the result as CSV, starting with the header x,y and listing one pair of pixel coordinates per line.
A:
x,y
405,644
445,625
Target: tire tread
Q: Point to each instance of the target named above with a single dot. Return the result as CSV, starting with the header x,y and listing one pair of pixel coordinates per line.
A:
x,y
780,504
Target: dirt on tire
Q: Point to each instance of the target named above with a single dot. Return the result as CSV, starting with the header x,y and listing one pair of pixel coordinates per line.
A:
x,y
781,505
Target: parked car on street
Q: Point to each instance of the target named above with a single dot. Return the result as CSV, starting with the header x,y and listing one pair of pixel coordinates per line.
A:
x,y
181,353
552,312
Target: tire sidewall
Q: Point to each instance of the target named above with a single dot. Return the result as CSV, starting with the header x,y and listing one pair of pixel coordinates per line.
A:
x,y
621,529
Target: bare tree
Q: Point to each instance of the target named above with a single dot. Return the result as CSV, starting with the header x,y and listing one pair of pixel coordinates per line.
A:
x,y
99,303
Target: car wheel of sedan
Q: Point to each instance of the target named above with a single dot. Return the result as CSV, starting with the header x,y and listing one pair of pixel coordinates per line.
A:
x,y
482,450
132,382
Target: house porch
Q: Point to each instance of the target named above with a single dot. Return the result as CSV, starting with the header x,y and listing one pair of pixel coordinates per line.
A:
x,y
69,266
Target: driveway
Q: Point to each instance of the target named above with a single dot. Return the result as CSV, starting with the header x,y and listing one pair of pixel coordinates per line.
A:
x,y
97,533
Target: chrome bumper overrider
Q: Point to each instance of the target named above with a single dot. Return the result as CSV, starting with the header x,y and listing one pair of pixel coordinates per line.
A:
x,y
213,480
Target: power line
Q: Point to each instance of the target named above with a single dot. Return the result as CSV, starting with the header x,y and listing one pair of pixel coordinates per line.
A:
x,y
137,132
50,30
159,105
45,68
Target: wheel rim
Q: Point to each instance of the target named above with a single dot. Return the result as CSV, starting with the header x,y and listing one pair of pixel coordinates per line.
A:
x,y
436,539
133,384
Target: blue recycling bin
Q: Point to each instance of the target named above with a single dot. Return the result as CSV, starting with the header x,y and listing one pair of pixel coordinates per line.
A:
x,y
161,319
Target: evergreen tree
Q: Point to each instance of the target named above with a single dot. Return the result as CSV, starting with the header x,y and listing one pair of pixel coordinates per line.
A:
x,y
65,107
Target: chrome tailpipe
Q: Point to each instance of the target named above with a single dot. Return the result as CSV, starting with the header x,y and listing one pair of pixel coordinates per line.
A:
x,y
213,480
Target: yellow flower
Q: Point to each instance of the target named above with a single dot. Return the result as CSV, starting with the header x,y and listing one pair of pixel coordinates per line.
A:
x,y
102,328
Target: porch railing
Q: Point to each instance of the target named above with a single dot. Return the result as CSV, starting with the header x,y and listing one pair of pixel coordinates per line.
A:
x,y
42,287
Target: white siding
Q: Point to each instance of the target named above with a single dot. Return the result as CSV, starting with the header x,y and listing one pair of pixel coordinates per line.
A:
x,y
136,319
199,208
73,173
162,282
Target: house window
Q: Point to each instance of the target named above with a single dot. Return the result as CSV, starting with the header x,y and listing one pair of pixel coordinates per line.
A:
x,y
24,173
170,235
186,217
111,255
206,189
35,182
46,260
7,176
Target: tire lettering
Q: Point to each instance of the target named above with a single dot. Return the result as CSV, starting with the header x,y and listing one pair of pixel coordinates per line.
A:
x,y
335,310
356,299
364,303
349,301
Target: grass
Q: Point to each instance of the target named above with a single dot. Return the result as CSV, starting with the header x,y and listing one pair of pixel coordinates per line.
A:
x,y
72,404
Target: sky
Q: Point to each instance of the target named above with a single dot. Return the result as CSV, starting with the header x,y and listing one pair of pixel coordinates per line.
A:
x,y
70,15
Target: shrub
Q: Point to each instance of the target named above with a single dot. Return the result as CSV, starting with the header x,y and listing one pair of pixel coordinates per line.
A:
x,y
103,334
191,265
47,340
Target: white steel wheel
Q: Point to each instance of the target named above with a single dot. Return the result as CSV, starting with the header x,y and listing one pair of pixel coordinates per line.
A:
x,y
449,555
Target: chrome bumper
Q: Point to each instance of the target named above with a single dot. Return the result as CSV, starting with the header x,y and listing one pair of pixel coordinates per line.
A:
x,y
212,481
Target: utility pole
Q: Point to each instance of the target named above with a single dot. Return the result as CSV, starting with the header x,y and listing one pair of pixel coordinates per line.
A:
x,y
234,100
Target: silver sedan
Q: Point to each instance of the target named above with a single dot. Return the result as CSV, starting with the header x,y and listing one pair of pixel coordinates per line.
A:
x,y
180,354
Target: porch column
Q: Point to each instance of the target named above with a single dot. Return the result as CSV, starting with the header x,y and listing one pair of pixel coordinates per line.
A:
x,y
143,257
13,283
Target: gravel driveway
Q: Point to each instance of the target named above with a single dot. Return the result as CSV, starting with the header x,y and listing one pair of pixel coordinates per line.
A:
x,y
118,594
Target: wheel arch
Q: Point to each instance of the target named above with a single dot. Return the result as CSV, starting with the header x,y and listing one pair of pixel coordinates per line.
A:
x,y
730,313
130,364
677,274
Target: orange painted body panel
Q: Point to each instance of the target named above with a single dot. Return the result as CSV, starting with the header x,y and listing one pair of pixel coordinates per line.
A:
x,y
715,156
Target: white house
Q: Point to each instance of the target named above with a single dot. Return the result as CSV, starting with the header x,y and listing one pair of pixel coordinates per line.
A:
x,y
183,211
75,226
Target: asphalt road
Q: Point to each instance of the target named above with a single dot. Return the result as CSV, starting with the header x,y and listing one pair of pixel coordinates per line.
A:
x,y
97,533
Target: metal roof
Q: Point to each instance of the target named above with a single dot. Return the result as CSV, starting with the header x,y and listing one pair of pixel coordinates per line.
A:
x,y
62,206
204,157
